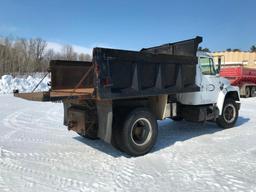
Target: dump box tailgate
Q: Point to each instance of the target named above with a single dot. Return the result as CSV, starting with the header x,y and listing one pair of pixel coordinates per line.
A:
x,y
69,79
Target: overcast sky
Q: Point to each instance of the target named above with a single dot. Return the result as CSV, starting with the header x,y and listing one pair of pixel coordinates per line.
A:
x,y
132,24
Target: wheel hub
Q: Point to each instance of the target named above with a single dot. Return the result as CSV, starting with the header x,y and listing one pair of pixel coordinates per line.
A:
x,y
229,113
141,132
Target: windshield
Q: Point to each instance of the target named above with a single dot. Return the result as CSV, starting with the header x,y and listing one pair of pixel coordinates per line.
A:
x,y
207,66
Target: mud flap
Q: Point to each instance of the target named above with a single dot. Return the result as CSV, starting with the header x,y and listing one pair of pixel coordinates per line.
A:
x,y
83,121
105,117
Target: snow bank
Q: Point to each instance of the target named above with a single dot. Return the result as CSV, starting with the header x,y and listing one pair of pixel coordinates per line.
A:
x,y
9,83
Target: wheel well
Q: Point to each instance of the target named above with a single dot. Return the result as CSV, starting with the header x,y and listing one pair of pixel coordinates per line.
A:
x,y
156,104
232,95
128,105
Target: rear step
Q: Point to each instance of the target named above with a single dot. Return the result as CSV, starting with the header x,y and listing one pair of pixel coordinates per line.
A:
x,y
35,96
57,95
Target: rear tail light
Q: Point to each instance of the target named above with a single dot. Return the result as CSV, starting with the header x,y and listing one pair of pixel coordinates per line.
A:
x,y
97,69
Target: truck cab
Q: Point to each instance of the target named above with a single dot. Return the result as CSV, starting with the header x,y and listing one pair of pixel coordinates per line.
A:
x,y
217,98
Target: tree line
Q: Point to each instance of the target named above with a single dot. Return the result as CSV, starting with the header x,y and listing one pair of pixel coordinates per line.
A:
x,y
23,56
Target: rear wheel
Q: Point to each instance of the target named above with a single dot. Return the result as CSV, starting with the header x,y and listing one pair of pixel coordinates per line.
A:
x,y
247,92
229,114
253,91
138,133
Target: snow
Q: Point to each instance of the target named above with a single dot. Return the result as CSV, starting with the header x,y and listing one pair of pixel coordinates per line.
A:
x,y
37,153
9,83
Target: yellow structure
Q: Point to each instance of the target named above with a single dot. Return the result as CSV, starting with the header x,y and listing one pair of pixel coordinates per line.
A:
x,y
235,58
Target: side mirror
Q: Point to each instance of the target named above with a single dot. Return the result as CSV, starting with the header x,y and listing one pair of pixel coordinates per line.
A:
x,y
219,65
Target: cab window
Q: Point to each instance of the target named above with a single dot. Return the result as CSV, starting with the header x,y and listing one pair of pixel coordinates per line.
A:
x,y
207,66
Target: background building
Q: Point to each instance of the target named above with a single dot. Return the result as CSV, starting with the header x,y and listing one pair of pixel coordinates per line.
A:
x,y
235,58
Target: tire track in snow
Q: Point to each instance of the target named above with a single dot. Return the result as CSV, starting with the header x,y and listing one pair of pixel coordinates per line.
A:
x,y
43,177
233,183
23,120
12,121
16,126
52,113
61,159
9,124
207,174
125,174
7,153
54,181
35,140
3,186
183,174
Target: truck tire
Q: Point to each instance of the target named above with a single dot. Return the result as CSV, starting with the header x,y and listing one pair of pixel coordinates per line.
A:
x,y
139,132
247,92
229,114
253,91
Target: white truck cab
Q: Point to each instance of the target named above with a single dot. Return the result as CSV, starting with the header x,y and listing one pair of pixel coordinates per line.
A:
x,y
217,98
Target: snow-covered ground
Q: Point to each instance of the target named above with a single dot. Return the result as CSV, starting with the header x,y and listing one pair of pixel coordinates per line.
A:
x,y
9,83
37,153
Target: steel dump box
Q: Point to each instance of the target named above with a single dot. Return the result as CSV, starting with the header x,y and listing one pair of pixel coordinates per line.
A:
x,y
120,74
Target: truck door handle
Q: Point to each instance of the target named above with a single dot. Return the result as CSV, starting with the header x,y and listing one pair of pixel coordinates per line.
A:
x,y
221,86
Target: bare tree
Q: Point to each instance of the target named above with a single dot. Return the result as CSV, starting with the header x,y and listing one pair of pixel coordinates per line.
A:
x,y
84,57
31,55
50,55
38,50
69,53
6,58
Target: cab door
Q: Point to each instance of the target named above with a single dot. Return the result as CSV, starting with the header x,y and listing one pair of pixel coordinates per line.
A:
x,y
210,84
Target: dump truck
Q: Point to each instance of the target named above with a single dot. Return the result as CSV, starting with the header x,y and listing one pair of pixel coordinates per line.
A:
x,y
243,77
120,95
